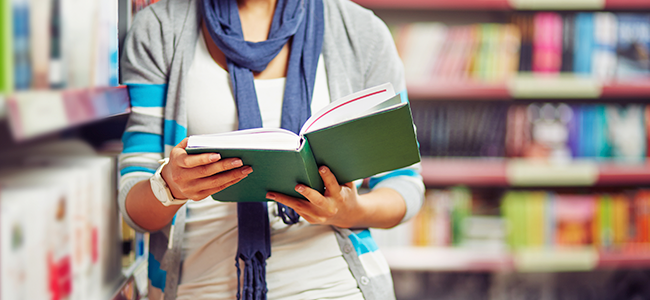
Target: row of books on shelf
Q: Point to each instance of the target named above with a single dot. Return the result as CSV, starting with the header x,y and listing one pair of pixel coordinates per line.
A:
x,y
616,221
603,45
554,131
473,5
54,44
60,230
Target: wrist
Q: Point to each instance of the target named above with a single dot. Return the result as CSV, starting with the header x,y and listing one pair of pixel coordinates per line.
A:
x,y
176,193
161,189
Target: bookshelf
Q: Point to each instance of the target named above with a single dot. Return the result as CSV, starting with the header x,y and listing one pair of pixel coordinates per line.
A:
x,y
506,5
526,86
444,259
62,113
35,113
518,173
466,185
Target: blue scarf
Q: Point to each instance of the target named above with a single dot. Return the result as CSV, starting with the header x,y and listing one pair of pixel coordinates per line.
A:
x,y
302,23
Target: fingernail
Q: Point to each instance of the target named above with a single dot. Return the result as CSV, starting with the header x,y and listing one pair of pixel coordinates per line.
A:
x,y
247,170
300,188
270,196
215,156
322,170
236,163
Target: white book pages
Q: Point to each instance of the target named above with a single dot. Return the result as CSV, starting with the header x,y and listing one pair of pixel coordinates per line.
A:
x,y
348,107
32,243
257,138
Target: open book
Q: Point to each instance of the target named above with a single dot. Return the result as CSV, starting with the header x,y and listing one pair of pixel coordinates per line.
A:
x,y
357,136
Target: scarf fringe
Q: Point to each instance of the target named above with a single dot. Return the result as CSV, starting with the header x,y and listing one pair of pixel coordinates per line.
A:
x,y
254,278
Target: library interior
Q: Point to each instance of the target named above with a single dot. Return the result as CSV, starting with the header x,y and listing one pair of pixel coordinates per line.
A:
x,y
530,117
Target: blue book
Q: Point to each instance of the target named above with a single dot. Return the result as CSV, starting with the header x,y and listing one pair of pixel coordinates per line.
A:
x,y
584,43
601,142
586,131
22,66
633,45
573,126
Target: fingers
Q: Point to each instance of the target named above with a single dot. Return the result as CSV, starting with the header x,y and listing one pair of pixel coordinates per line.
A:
x,y
214,189
331,184
221,180
305,209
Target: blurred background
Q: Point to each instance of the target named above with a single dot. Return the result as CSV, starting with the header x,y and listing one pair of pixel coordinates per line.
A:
x,y
531,118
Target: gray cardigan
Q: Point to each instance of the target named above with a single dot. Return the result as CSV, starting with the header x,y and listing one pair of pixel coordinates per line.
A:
x,y
358,52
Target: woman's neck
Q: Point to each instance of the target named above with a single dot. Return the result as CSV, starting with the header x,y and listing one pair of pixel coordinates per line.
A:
x,y
256,17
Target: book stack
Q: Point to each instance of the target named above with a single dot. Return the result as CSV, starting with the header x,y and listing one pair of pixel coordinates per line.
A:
x,y
610,222
562,132
449,217
484,52
551,131
54,44
613,221
603,45
460,129
59,223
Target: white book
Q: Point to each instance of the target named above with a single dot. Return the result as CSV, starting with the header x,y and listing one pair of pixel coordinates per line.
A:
x,y
420,50
103,219
603,57
75,184
28,248
39,35
78,20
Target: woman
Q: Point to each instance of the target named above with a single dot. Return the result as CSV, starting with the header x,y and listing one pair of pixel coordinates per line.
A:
x,y
207,66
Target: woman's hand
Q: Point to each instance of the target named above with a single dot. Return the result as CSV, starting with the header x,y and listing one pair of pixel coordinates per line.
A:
x,y
338,206
196,176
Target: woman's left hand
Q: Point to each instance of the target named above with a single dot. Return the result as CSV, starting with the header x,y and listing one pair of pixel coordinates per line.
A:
x,y
338,206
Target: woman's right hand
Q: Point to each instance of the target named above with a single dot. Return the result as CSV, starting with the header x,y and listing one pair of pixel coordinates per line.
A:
x,y
197,176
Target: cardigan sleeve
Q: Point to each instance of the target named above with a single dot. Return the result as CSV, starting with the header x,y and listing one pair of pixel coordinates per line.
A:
x,y
143,70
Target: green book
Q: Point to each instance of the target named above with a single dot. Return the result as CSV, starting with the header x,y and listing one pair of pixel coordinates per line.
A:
x,y
357,136
6,48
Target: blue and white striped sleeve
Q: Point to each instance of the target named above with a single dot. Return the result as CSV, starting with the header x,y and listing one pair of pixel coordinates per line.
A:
x,y
143,74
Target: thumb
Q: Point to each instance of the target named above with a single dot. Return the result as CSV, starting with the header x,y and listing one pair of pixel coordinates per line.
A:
x,y
183,143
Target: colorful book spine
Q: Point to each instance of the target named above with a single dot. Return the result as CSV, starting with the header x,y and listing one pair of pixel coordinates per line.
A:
x,y
584,43
547,43
603,59
525,24
6,48
633,46
21,47
39,39
568,34
56,76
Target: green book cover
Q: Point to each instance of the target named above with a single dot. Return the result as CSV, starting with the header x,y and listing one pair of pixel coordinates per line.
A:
x,y
379,139
273,170
6,48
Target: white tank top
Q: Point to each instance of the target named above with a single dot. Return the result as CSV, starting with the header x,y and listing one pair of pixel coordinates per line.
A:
x,y
305,262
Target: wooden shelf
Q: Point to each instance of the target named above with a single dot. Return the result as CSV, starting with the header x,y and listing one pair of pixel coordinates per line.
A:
x,y
505,172
35,113
530,87
472,172
505,5
448,259
445,90
436,4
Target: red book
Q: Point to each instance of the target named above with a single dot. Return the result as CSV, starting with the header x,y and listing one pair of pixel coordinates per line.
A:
x,y
547,43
